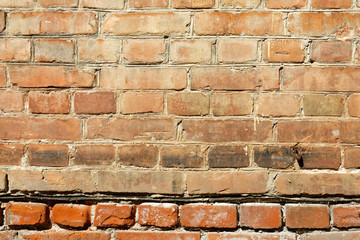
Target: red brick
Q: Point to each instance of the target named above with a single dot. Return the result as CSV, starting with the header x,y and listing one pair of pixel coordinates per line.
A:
x,y
220,23
58,3
147,23
280,157
26,128
323,105
225,182
16,50
346,216
94,102
138,155
278,105
50,180
331,51
4,182
354,105
312,24
144,129
48,155
49,102
252,236
30,23
11,154
209,216
71,215
330,79
330,236
331,3
230,79
227,130
307,216
288,50
190,51
193,4
351,158
146,182
94,155
141,102
68,235
17,3
144,50
2,76
50,77
107,4
99,50
350,132
148,3
286,3
159,215
232,104
157,235
180,156
11,101
143,78
240,3
7,235
188,104
27,215
318,184
114,215
54,50
262,216
221,156
234,50
320,157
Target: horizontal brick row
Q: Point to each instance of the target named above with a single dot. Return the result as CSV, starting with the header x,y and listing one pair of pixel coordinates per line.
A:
x,y
166,215
189,51
173,182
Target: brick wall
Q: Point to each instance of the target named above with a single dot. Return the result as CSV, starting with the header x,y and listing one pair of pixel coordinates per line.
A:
x,y
180,119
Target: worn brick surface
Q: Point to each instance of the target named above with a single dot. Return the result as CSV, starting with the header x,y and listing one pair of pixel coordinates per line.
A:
x,y
114,215
67,215
307,216
264,216
27,214
48,155
160,215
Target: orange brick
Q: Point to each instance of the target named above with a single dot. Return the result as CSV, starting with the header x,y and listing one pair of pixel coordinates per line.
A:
x,y
354,105
193,4
147,235
58,3
70,235
107,4
241,3
143,78
114,215
138,155
11,101
351,158
48,155
144,50
251,236
94,102
11,154
190,51
188,104
17,3
71,215
344,235
286,3
54,50
7,235
29,23
26,128
307,216
331,51
331,3
50,76
346,216
264,216
237,50
49,102
2,77
216,23
276,105
99,50
27,214
209,216
146,23
141,102
182,156
230,79
94,155
232,104
17,50
148,3
159,215
284,51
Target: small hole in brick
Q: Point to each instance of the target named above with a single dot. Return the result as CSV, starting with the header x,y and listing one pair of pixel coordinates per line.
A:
x,y
300,162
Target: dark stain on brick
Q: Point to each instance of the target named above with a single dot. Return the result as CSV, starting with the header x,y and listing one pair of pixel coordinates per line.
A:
x,y
274,157
228,157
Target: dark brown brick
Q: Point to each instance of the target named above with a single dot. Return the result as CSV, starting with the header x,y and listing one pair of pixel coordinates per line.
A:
x,y
274,157
189,156
138,155
320,158
95,155
48,155
10,154
228,157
